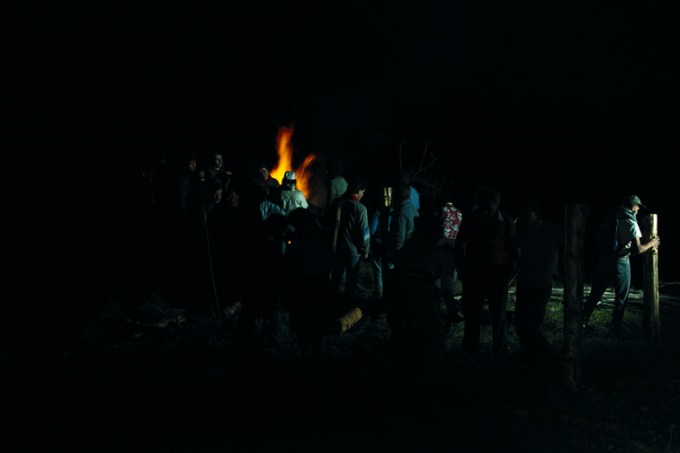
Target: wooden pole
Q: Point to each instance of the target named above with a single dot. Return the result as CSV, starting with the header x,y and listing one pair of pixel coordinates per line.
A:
x,y
574,241
651,319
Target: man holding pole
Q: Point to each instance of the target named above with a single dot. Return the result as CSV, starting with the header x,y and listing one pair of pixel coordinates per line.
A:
x,y
615,266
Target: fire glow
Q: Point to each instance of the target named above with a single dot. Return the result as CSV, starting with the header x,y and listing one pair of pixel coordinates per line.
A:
x,y
303,173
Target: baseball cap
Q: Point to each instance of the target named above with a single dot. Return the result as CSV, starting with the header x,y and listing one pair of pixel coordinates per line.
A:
x,y
634,199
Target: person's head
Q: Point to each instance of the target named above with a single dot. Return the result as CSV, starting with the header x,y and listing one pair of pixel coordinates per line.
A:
x,y
217,192
489,200
288,179
633,203
263,173
217,160
447,200
402,193
191,165
528,213
357,188
404,177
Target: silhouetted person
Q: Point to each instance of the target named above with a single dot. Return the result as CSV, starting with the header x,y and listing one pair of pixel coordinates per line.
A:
x,y
216,170
187,181
411,299
614,265
451,218
265,180
307,290
380,226
260,280
403,226
258,197
539,243
487,261
222,231
351,238
201,245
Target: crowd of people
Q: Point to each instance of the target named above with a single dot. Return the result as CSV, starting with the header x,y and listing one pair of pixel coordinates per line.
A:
x,y
262,247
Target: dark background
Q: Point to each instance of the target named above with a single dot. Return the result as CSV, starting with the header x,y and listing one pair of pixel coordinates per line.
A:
x,y
575,102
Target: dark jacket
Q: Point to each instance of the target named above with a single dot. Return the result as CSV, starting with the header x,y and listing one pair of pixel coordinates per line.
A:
x,y
487,243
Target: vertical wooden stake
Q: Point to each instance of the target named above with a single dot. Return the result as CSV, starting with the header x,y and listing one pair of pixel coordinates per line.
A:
x,y
575,228
651,322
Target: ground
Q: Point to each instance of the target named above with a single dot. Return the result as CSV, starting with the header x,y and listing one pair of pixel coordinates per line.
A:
x,y
156,380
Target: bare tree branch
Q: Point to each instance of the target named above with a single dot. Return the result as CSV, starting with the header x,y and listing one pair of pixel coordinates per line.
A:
x,y
430,177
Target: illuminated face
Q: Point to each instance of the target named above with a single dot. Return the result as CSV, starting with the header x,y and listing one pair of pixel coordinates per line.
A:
x,y
217,196
218,160
635,209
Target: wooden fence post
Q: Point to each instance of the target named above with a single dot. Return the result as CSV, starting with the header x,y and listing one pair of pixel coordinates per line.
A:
x,y
651,319
574,241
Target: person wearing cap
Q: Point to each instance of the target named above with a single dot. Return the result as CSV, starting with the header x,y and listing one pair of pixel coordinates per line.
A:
x,y
615,267
290,197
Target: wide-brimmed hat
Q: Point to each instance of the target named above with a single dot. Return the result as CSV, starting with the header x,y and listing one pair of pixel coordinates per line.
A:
x,y
289,175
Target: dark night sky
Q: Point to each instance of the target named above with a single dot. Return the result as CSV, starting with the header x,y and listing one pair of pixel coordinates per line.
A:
x,y
574,100
343,65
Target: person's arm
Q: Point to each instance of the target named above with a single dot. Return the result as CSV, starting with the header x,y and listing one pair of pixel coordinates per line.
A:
x,y
366,233
375,221
399,232
336,225
642,248
302,200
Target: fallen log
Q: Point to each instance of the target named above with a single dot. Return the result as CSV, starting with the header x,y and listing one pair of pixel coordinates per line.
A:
x,y
349,319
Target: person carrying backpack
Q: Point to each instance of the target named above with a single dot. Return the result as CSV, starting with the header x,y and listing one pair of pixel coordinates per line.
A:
x,y
617,242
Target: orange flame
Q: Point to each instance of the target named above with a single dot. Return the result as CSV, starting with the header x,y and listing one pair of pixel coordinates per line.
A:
x,y
303,173
304,176
285,152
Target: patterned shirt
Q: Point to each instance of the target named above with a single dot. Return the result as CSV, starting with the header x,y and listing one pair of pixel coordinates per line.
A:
x,y
451,218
